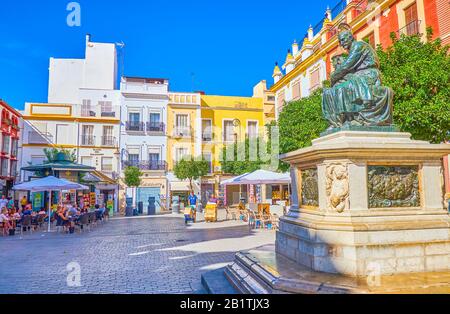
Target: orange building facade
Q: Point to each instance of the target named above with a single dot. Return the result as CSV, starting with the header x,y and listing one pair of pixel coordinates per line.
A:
x,y
307,65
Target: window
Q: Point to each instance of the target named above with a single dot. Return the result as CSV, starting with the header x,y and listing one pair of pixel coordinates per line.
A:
x,y
180,153
270,98
4,165
108,138
411,19
154,124
87,161
228,131
182,124
106,108
370,39
14,148
87,135
134,117
252,129
296,90
133,160
206,130
62,134
153,159
134,122
208,158
86,110
13,168
107,164
315,80
155,117
281,97
5,145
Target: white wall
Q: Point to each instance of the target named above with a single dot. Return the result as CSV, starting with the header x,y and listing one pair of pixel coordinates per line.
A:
x,y
65,78
97,71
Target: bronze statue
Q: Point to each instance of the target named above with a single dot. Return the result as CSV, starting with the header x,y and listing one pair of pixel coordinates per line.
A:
x,y
356,96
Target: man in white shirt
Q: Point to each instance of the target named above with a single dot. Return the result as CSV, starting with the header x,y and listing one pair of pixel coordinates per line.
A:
x,y
3,201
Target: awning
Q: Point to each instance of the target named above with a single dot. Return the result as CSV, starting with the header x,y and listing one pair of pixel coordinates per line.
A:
x,y
180,186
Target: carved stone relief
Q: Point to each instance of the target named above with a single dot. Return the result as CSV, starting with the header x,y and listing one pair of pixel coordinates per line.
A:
x,y
337,187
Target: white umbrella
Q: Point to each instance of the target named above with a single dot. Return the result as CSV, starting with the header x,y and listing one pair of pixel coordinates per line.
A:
x,y
49,183
259,177
266,177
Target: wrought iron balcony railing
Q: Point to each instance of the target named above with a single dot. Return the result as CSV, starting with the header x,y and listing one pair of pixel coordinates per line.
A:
x,y
87,140
146,165
207,137
108,114
155,127
135,126
412,28
108,141
182,132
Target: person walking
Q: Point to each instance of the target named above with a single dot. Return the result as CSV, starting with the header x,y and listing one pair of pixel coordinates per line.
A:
x,y
24,202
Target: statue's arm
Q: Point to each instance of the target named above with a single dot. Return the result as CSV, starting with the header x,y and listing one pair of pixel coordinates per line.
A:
x,y
348,65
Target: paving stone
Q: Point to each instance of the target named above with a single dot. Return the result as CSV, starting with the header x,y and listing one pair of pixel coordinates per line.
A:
x,y
145,255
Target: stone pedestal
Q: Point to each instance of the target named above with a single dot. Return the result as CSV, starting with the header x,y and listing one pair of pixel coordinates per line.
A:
x,y
367,203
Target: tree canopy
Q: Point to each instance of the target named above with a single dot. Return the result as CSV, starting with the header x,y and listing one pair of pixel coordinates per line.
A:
x,y
419,74
52,153
300,122
191,169
132,176
238,165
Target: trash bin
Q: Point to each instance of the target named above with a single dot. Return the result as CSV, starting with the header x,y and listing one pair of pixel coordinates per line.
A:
x,y
151,208
140,208
129,207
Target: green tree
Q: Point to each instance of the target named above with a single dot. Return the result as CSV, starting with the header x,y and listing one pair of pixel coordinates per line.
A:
x,y
190,169
419,74
52,153
300,122
132,176
238,166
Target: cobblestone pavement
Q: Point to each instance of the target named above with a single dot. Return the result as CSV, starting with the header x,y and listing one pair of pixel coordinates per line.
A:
x,y
141,255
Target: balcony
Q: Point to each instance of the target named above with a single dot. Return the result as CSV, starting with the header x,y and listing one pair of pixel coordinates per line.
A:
x,y
108,141
182,132
108,114
87,140
207,137
35,137
6,123
146,165
88,113
158,127
134,126
412,28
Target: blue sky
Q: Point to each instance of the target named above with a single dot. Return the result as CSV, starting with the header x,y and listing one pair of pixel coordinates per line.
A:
x,y
228,45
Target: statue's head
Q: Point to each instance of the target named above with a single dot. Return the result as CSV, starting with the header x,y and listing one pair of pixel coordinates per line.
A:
x,y
345,36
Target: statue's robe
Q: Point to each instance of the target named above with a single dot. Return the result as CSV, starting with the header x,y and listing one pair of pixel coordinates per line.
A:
x,y
356,88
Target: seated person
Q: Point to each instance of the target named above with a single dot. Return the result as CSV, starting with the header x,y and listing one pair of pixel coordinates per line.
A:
x,y
5,219
212,200
72,212
27,211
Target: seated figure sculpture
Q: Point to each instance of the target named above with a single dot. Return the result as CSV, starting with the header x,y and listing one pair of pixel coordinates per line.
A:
x,y
356,96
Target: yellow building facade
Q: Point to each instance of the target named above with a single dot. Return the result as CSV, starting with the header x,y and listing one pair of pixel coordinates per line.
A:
x,y
225,120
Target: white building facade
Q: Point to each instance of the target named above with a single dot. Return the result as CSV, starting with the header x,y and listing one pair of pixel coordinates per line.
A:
x,y
144,140
82,115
